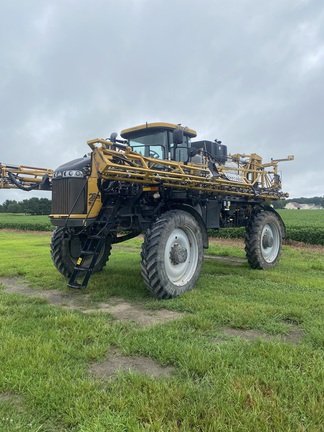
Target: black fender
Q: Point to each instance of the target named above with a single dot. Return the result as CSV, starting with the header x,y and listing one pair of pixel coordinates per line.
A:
x,y
189,209
271,209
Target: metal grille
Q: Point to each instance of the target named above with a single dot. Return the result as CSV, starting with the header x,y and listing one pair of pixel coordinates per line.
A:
x,y
69,196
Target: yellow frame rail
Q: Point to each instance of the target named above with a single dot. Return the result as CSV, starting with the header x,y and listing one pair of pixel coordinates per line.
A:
x,y
246,175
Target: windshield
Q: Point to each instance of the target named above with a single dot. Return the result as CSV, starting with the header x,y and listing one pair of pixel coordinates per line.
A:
x,y
153,145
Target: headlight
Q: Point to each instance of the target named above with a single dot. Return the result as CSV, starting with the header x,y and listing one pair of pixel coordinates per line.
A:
x,y
68,173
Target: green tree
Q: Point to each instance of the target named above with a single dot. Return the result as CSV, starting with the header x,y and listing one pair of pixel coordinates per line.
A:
x,y
5,205
35,206
14,207
44,207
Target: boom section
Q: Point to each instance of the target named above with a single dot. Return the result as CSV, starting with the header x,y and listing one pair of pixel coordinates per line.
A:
x,y
241,175
25,177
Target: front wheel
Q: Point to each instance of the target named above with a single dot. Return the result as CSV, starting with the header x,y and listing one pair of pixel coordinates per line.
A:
x,y
66,248
172,254
263,240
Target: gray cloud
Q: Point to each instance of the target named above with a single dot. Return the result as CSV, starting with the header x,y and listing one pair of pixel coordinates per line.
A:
x,y
249,73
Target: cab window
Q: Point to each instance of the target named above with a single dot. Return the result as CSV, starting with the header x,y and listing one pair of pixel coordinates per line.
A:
x,y
152,145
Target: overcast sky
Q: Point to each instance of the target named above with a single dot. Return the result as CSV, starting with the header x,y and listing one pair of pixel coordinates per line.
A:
x,y
248,72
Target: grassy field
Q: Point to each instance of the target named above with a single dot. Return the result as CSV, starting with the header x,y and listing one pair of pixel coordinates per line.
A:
x,y
246,349
304,225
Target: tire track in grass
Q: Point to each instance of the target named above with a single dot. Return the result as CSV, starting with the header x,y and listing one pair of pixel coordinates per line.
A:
x,y
121,310
118,307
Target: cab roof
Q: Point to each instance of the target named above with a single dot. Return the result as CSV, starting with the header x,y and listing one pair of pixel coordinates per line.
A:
x,y
155,127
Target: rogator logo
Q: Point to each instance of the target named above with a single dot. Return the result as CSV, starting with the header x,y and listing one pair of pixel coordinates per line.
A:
x,y
92,197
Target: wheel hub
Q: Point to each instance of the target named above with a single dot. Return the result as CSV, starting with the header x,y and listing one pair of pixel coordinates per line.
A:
x,y
178,254
267,240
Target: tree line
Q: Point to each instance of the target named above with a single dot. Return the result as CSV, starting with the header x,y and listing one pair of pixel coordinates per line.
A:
x,y
34,206
318,201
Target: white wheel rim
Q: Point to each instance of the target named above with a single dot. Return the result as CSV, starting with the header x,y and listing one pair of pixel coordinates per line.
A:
x,y
270,242
184,239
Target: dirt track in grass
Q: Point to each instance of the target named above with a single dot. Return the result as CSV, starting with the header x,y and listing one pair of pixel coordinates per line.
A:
x,y
118,307
116,362
122,310
293,337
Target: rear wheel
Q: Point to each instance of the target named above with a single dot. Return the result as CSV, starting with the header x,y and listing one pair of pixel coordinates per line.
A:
x,y
66,248
263,240
172,254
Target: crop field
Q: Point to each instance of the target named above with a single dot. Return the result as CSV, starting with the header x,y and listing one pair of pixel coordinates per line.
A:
x,y
25,222
304,225
242,351
303,218
301,225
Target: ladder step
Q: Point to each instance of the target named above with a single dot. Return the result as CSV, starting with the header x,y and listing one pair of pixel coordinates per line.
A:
x,y
96,237
89,253
82,269
76,285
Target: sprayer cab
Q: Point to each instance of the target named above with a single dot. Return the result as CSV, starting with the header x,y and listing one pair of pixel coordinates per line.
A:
x,y
163,141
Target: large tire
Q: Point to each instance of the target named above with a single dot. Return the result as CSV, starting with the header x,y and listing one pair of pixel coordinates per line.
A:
x,y
66,248
172,254
263,240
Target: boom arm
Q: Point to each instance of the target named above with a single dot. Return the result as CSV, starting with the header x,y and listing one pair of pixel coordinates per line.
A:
x,y
244,176
25,177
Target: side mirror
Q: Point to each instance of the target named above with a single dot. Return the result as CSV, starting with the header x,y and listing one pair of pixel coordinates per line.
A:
x,y
178,136
113,137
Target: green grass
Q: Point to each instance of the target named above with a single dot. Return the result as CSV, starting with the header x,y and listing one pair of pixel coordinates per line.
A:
x,y
233,385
